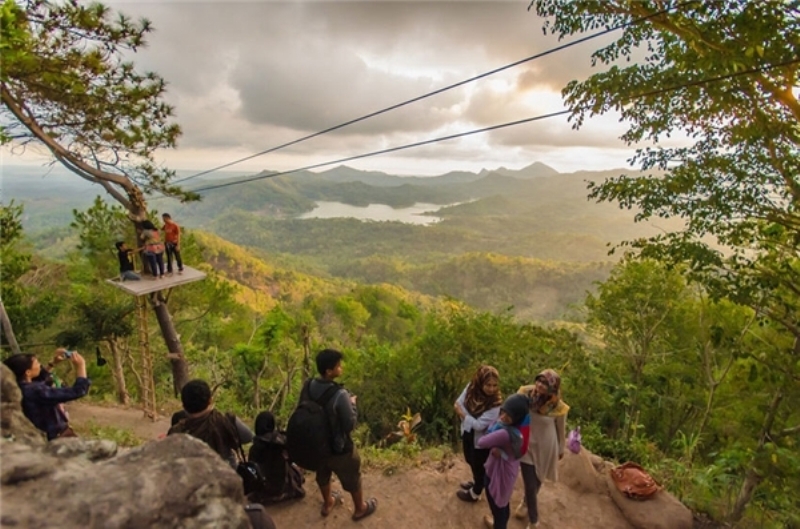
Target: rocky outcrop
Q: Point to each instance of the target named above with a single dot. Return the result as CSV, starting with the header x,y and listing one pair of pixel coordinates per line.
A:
x,y
177,482
589,474
578,472
661,511
13,423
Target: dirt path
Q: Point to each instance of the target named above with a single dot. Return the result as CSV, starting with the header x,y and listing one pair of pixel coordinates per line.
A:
x,y
420,497
82,415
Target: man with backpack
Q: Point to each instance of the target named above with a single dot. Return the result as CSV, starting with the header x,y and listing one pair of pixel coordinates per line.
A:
x,y
319,435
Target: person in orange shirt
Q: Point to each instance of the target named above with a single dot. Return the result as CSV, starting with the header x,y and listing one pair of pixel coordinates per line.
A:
x,y
172,238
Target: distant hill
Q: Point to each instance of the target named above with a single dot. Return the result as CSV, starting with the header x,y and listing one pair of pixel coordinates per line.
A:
x,y
527,238
534,170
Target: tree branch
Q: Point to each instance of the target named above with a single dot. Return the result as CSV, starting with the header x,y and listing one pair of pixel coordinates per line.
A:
x,y
135,201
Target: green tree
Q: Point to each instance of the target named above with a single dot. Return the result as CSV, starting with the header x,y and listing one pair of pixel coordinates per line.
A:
x,y
735,185
65,84
23,308
638,313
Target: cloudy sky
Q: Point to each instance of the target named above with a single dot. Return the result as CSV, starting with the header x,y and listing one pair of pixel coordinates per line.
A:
x,y
246,76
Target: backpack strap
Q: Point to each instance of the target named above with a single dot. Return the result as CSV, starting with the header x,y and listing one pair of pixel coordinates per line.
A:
x,y
327,395
236,437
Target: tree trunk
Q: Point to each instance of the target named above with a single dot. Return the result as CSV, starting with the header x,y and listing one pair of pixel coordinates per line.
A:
x,y
180,368
752,477
8,330
306,354
118,373
136,374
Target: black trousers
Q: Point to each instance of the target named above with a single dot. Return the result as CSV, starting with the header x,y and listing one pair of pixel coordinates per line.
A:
x,y
475,458
501,515
172,251
532,486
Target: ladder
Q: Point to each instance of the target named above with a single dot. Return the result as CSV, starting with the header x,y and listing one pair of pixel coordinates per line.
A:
x,y
148,399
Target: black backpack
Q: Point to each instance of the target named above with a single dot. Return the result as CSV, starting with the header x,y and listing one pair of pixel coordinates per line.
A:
x,y
309,434
253,479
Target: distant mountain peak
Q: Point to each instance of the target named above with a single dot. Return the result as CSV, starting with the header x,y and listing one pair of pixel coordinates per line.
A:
x,y
534,170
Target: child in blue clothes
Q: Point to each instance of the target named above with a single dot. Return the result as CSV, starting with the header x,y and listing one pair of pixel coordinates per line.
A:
x,y
507,440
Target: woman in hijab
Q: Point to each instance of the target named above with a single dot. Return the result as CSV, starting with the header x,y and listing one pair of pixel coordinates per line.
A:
x,y
478,407
548,418
507,441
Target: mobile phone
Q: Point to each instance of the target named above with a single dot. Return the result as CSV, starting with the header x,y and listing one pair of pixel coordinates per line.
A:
x,y
68,354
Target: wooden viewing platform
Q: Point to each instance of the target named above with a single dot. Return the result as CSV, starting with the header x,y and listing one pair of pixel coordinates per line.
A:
x,y
148,285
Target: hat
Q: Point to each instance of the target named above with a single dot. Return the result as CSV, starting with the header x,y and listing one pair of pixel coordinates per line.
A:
x,y
516,406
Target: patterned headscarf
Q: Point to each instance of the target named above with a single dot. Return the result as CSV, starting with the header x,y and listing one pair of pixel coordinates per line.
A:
x,y
549,404
476,401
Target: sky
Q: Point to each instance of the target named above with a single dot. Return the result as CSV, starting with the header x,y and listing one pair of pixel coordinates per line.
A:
x,y
247,76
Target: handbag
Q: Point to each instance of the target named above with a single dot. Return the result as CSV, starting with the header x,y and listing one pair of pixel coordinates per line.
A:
x,y
634,482
574,440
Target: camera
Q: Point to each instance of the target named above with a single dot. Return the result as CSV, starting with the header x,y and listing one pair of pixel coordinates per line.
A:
x,y
68,354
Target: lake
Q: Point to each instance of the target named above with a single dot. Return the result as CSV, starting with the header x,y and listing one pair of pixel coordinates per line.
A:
x,y
410,215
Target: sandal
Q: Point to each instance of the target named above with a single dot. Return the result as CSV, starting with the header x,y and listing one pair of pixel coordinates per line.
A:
x,y
337,500
372,505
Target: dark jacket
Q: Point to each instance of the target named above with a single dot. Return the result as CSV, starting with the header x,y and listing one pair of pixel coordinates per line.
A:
x,y
222,432
41,403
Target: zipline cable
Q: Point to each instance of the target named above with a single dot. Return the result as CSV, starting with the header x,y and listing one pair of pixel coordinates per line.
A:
x,y
438,91
494,127
383,151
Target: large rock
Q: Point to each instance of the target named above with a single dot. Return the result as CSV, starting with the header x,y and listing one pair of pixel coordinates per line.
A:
x,y
660,511
89,449
13,423
578,472
177,482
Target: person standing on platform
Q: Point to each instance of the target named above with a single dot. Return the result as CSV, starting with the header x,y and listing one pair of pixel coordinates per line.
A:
x,y
153,249
172,238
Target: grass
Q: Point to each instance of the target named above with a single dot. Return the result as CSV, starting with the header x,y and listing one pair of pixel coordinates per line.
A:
x,y
122,436
403,455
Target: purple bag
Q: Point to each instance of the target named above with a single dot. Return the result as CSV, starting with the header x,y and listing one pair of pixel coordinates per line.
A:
x,y
574,440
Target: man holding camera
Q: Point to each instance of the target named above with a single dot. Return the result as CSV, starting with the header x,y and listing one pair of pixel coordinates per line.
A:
x,y
42,402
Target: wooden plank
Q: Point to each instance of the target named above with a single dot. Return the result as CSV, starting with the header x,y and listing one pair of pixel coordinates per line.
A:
x,y
148,285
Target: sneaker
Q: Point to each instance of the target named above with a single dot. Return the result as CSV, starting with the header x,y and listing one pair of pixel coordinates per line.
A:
x,y
488,522
466,485
180,271
467,496
521,512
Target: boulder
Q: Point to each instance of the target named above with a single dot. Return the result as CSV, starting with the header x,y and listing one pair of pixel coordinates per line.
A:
x,y
661,511
177,482
577,472
89,449
13,423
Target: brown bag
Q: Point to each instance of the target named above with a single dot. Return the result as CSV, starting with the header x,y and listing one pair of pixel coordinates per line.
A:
x,y
633,481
